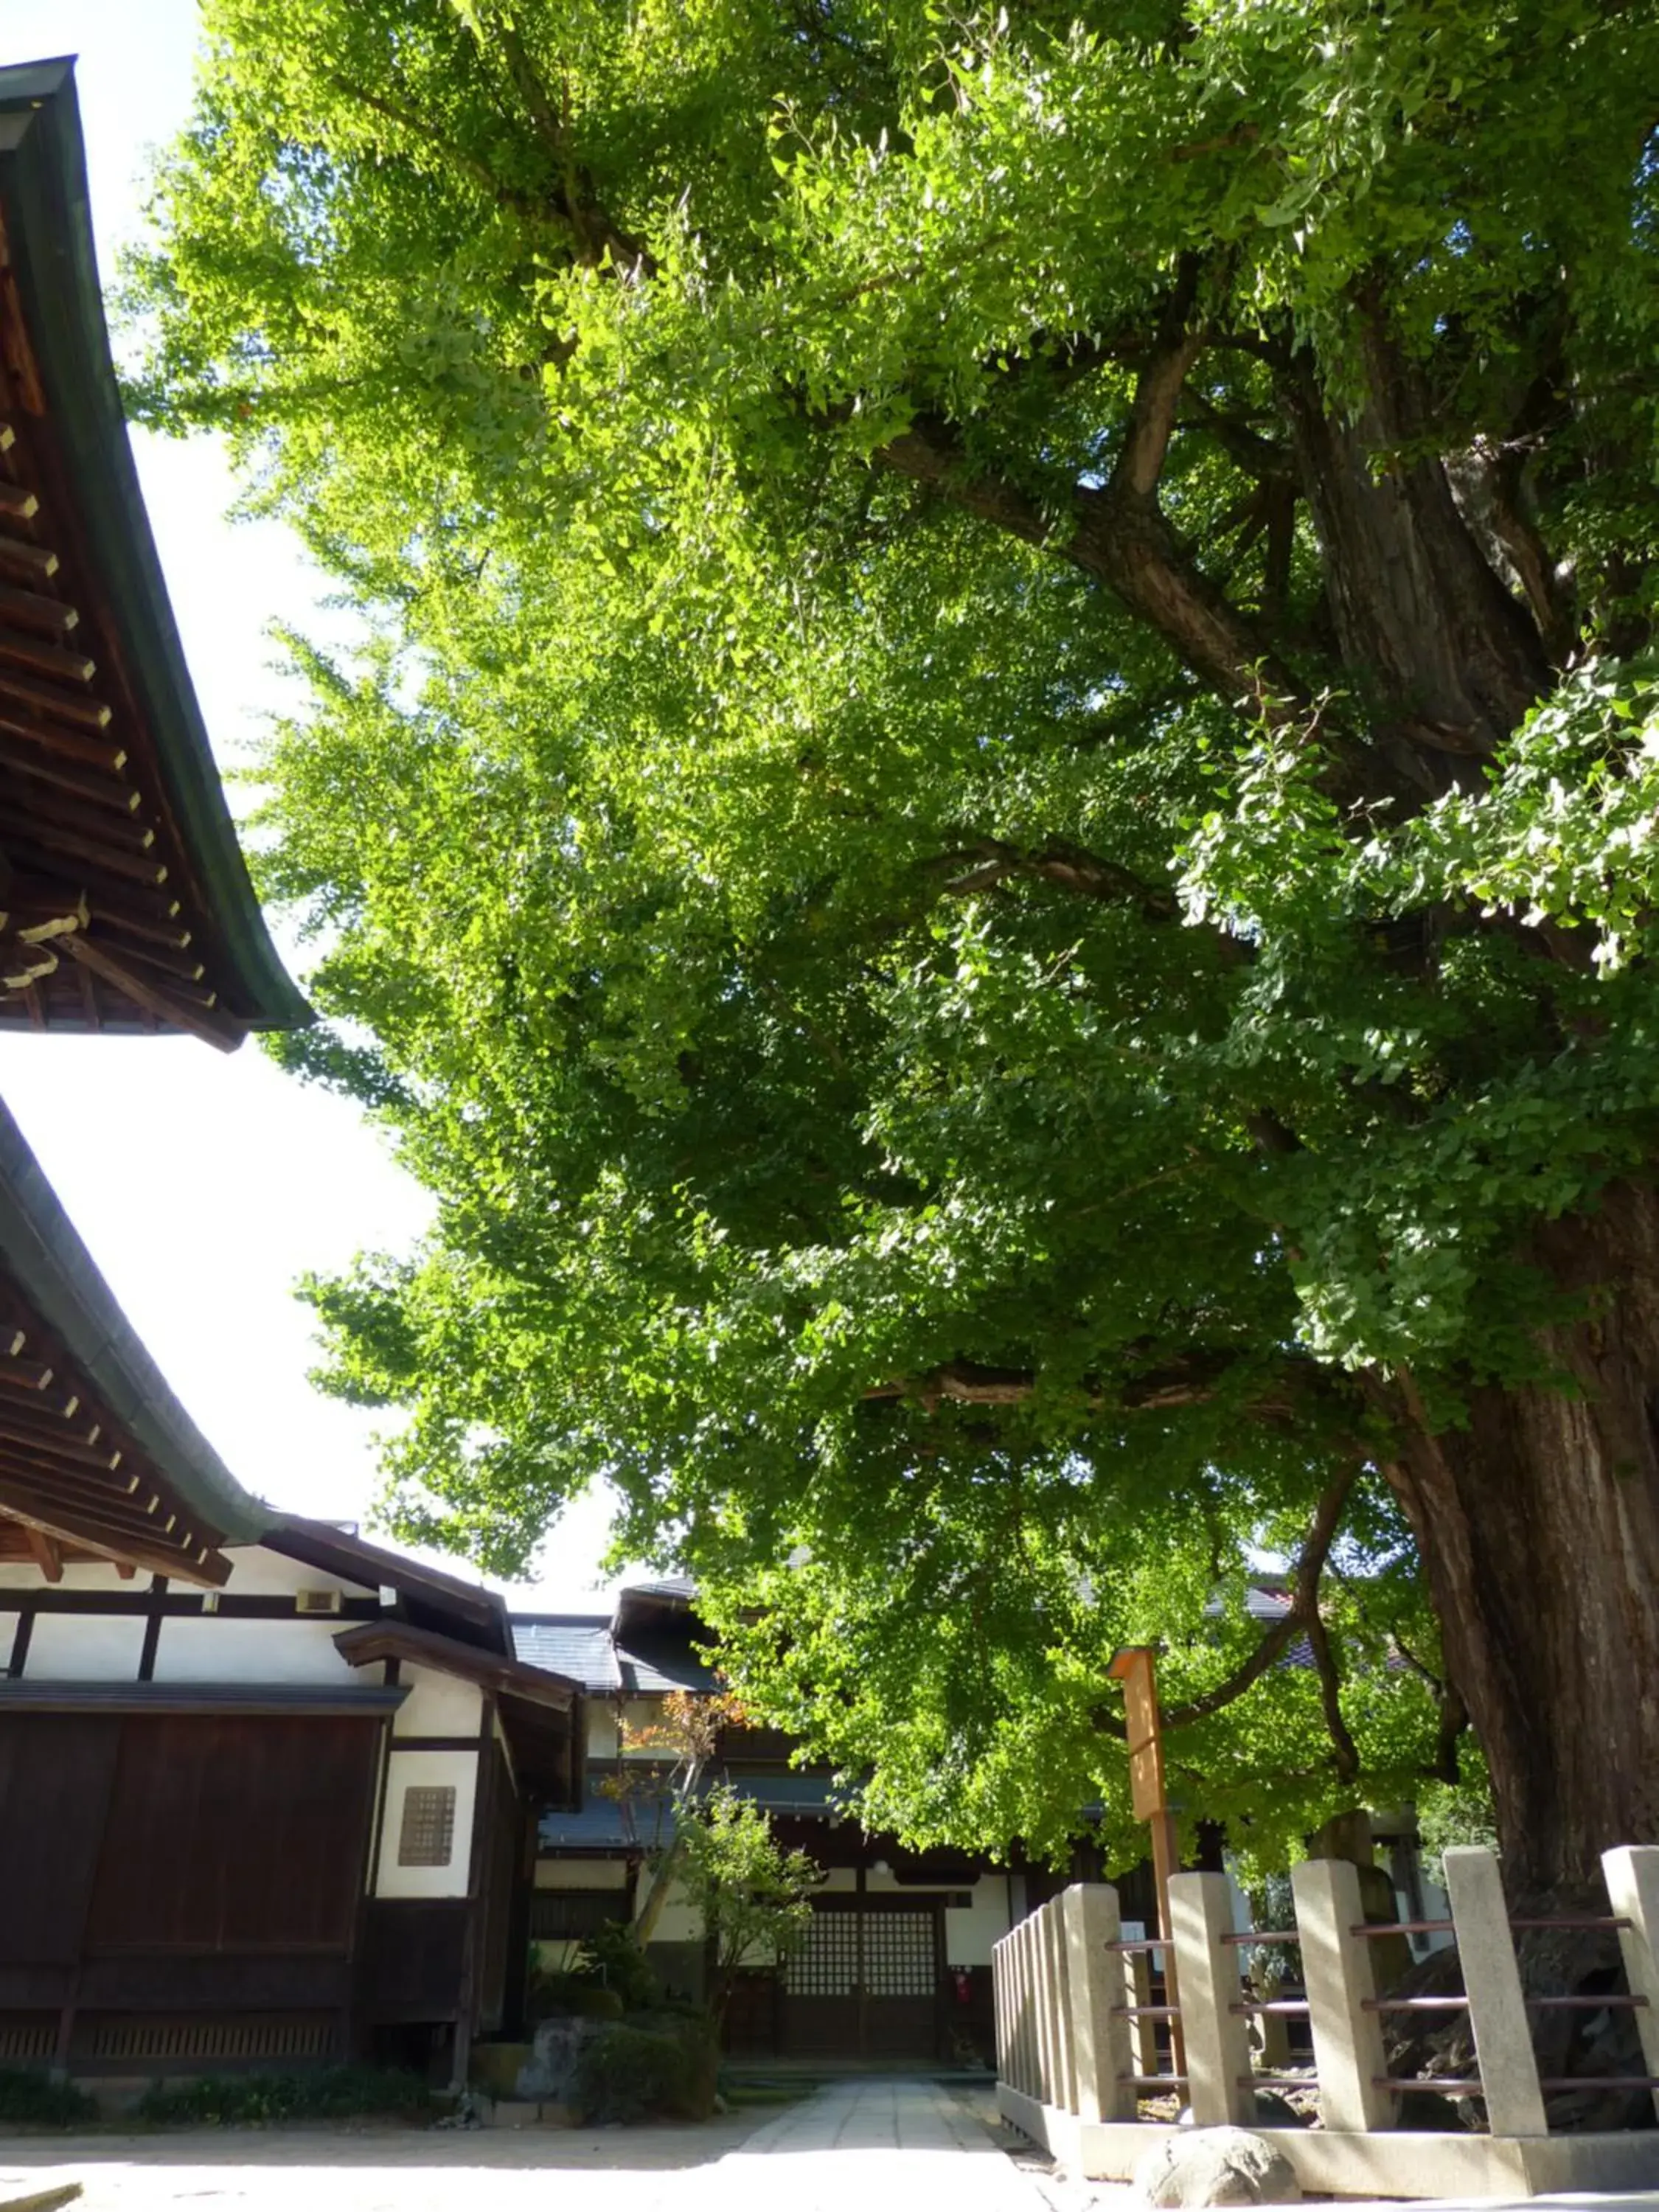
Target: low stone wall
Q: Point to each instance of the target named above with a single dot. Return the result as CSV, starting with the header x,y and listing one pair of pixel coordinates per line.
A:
x,y
1077,2050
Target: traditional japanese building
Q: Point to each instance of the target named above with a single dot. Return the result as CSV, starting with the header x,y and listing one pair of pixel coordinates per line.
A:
x,y
267,1794
897,1961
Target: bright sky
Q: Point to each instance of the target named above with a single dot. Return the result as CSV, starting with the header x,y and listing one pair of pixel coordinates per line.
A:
x,y
265,1178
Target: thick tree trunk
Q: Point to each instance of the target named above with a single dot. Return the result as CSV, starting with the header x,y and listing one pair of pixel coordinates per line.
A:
x,y
1538,1522
1445,657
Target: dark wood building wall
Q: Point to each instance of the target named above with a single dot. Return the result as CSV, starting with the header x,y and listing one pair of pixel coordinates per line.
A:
x,y
180,1888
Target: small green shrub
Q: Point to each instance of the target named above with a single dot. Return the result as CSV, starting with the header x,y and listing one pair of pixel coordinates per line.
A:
x,y
613,1955
29,2099
630,2073
553,1997
333,2093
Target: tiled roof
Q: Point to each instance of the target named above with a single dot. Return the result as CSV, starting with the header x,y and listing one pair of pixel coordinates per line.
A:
x,y
604,1824
574,1644
664,1663
582,1646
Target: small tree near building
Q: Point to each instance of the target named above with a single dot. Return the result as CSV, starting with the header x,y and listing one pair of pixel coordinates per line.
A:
x,y
754,1897
670,1756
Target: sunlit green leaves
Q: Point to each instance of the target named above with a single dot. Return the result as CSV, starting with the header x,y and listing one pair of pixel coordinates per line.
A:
x,y
914,1084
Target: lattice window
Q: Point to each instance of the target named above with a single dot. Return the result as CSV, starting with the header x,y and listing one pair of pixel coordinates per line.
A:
x,y
895,1958
827,1963
899,1954
427,1837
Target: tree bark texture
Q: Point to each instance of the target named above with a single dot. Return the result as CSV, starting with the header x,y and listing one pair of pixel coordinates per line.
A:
x,y
1538,1522
1448,659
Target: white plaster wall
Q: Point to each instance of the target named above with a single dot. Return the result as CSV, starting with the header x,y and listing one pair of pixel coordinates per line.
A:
x,y
409,1770
437,1704
255,1572
84,1647
681,1922
970,1930
601,1730
581,1874
640,1714
78,1575
209,1647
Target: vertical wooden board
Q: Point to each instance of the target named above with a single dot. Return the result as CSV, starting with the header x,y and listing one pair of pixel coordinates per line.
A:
x,y
55,1775
502,1877
231,1832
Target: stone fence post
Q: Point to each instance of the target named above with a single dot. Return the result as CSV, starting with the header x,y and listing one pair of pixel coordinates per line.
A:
x,y
1216,2038
1633,1874
1064,2037
1060,2088
1336,1972
1007,1981
1102,2048
1492,1981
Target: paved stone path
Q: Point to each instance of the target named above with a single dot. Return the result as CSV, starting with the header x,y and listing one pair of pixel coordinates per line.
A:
x,y
859,2146
866,2144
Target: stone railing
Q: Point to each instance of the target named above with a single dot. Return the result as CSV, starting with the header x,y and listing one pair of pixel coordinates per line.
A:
x,y
1079,2050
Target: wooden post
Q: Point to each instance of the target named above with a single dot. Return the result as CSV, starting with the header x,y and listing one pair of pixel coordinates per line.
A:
x,y
1336,1969
1218,2042
1143,1725
1633,1874
1138,1992
1497,2011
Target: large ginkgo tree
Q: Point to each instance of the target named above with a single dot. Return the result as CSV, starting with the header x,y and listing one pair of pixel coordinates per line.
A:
x,y
996,844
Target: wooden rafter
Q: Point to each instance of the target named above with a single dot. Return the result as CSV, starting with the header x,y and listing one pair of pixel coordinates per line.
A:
x,y
72,1474
47,1556
92,858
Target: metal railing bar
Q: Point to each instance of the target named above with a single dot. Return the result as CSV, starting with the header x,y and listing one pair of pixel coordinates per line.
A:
x,y
1400,1927
1292,2006
1154,2081
1413,2004
1600,2081
1138,1943
1146,2012
1587,2004
1266,1935
1399,2083
1570,1920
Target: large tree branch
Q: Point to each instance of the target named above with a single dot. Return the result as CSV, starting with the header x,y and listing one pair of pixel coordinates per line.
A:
x,y
1303,1610
984,862
599,240
1193,1380
1157,393
1346,1751
1121,539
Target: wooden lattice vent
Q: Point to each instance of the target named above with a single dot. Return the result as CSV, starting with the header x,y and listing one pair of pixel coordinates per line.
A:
x,y
223,2036
25,2041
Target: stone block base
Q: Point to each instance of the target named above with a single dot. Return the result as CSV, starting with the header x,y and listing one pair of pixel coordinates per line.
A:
x,y
520,2112
1397,2163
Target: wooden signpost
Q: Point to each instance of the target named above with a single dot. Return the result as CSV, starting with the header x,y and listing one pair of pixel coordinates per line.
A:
x,y
1133,1668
